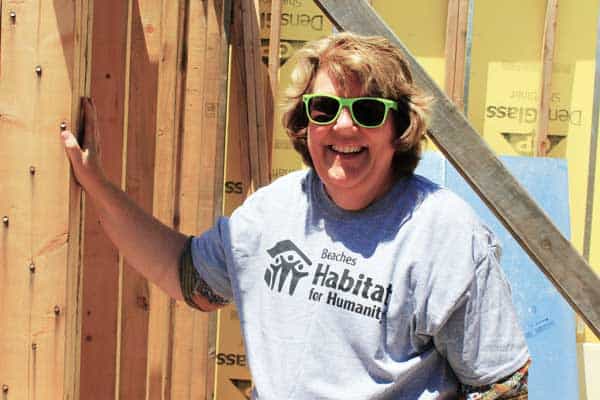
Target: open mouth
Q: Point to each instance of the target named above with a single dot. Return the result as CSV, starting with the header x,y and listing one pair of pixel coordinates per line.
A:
x,y
347,150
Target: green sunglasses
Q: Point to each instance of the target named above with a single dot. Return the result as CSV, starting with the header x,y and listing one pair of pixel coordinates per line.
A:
x,y
367,112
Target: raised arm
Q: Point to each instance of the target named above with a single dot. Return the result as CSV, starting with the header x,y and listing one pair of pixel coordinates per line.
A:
x,y
149,246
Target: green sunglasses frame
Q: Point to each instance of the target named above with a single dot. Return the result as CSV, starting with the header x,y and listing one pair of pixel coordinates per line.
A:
x,y
348,102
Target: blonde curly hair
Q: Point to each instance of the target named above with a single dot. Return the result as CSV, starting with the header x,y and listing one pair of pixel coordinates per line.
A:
x,y
382,71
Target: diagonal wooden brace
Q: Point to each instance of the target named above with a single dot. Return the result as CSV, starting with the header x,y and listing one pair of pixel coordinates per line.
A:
x,y
474,160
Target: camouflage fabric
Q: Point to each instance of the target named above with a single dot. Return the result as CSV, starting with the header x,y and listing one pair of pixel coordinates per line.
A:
x,y
512,388
191,283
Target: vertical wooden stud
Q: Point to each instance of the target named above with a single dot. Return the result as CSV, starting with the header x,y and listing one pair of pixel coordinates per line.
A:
x,y
274,43
237,165
168,116
139,184
239,121
455,52
461,56
238,181
450,50
201,176
80,85
100,298
187,324
257,127
542,145
273,71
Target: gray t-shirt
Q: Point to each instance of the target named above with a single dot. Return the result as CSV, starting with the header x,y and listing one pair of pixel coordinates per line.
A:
x,y
396,301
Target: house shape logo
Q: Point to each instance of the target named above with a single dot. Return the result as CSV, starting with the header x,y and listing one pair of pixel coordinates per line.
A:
x,y
288,265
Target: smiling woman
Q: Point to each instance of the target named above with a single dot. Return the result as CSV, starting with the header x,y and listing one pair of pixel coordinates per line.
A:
x,y
354,163
356,148
354,278
373,68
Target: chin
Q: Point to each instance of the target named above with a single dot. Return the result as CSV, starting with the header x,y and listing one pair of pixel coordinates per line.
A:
x,y
345,183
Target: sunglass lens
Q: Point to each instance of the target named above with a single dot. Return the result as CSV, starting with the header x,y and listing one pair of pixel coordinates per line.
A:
x,y
369,112
323,109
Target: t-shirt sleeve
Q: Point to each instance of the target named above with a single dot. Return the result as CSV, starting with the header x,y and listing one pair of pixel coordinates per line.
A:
x,y
220,253
211,256
482,339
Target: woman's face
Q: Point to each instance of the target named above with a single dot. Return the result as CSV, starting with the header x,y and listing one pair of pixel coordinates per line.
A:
x,y
354,163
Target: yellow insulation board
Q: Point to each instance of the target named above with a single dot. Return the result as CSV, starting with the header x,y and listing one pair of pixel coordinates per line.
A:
x,y
505,83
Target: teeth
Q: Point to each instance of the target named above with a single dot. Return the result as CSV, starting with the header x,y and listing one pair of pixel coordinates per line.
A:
x,y
346,149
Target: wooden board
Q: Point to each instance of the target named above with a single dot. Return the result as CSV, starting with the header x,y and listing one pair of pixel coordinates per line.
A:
x,y
465,149
255,91
190,333
542,144
237,186
189,336
100,294
168,99
201,175
456,38
139,185
40,241
274,45
79,85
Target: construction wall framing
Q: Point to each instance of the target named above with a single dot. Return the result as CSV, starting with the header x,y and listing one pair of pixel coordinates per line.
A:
x,y
43,73
85,323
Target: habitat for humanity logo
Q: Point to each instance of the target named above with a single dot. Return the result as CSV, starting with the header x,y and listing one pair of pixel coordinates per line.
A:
x,y
288,261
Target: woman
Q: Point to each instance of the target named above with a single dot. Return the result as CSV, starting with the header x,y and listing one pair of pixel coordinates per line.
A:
x,y
353,279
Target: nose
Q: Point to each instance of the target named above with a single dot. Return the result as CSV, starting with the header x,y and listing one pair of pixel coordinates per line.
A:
x,y
344,121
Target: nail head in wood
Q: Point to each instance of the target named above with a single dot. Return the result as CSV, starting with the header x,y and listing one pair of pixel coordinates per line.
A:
x,y
32,170
142,302
63,126
56,310
32,268
38,70
5,388
34,346
13,16
5,220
